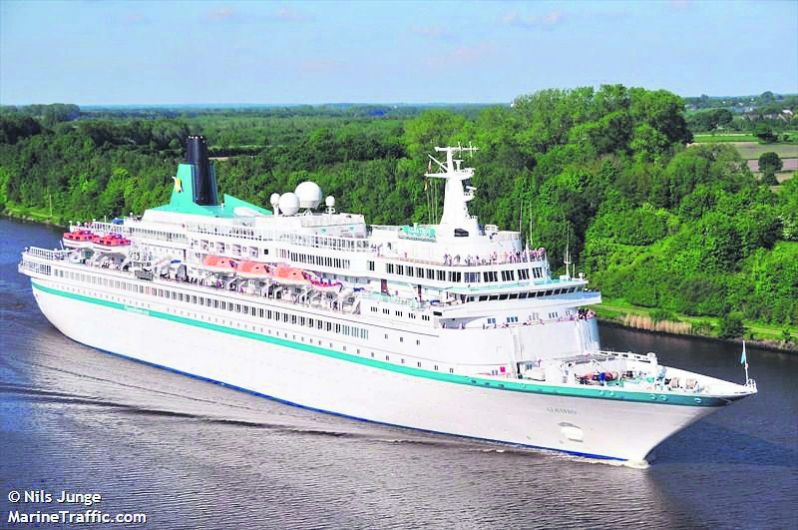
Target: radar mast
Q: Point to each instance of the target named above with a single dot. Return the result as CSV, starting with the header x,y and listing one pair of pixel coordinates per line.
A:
x,y
455,208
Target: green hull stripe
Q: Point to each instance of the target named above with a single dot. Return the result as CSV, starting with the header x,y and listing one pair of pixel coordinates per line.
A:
x,y
595,393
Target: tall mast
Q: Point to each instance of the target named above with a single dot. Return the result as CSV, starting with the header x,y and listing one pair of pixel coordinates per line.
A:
x,y
567,258
456,196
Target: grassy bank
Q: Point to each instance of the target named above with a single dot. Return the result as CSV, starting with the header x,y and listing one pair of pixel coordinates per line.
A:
x,y
39,215
623,313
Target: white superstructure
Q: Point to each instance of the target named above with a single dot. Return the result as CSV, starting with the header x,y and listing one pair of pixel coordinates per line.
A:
x,y
453,328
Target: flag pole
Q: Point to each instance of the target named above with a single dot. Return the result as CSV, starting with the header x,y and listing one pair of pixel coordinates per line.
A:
x,y
744,361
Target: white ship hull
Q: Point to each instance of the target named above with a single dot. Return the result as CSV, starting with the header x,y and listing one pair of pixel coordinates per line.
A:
x,y
603,428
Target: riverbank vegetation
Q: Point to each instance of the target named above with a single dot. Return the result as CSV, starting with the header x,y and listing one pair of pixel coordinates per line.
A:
x,y
666,229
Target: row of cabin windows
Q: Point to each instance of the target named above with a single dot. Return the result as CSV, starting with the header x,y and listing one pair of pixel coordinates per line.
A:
x,y
351,331
312,259
237,249
39,268
235,307
400,314
516,296
339,328
514,319
457,276
148,233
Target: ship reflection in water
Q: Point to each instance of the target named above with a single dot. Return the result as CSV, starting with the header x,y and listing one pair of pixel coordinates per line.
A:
x,y
191,454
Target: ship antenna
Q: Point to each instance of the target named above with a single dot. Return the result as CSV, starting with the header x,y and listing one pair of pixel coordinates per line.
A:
x,y
567,258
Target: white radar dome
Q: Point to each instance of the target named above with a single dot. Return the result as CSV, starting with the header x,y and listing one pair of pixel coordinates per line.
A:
x,y
329,201
289,203
274,200
309,194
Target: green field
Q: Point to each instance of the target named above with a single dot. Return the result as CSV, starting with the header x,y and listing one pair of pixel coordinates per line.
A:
x,y
753,150
723,138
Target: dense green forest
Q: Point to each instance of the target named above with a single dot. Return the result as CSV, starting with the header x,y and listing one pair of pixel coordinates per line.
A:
x,y
688,230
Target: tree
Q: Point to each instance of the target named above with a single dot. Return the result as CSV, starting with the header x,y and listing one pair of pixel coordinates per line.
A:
x,y
731,326
769,164
765,133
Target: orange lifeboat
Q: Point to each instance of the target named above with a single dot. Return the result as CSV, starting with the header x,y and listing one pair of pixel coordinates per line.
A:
x,y
289,275
78,238
219,264
78,235
253,269
110,241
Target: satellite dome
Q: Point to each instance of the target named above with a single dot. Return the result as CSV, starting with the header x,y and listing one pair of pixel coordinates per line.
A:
x,y
309,194
330,201
274,200
289,203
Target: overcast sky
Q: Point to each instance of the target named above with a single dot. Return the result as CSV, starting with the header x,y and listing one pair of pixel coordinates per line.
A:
x,y
130,52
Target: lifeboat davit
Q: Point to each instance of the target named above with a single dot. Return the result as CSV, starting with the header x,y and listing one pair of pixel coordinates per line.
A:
x,y
321,283
253,269
219,264
289,275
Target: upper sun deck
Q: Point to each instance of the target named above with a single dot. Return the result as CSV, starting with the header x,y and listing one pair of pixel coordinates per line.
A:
x,y
457,251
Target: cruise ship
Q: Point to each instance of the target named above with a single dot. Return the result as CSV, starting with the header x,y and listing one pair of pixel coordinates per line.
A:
x,y
455,328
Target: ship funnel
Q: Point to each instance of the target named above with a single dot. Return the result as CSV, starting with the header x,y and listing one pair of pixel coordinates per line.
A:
x,y
204,177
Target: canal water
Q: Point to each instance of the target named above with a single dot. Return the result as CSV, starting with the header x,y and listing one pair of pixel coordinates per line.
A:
x,y
191,454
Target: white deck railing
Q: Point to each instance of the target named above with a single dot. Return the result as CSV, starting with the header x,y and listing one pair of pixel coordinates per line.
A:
x,y
45,254
348,244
